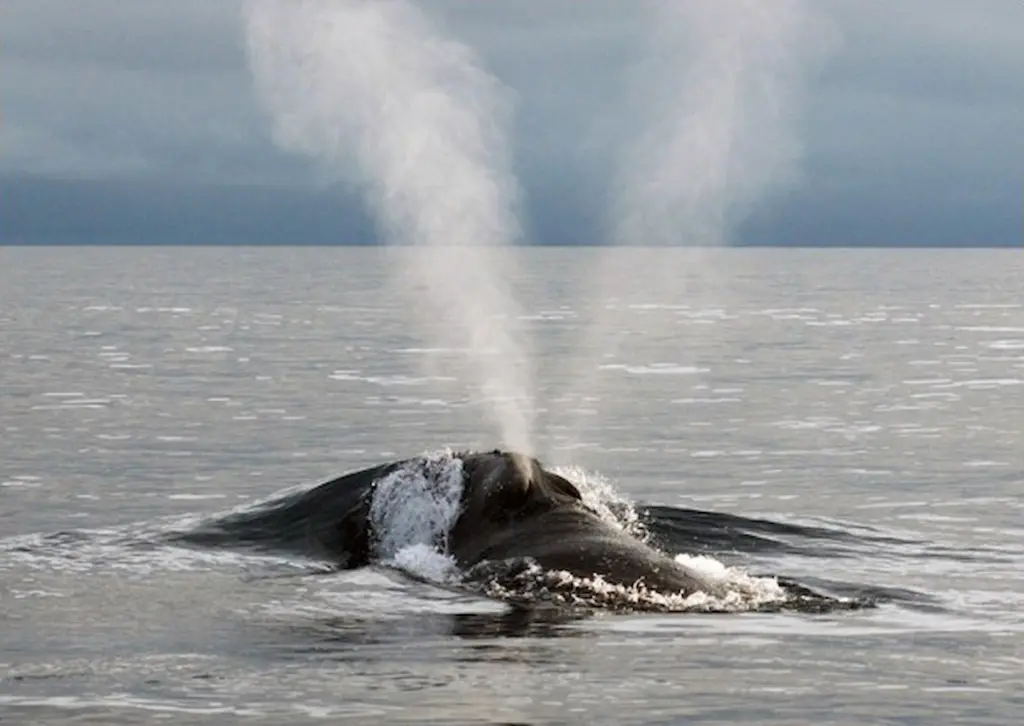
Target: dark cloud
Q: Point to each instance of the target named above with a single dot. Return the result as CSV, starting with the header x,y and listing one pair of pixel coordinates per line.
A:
x,y
52,210
184,36
137,119
563,211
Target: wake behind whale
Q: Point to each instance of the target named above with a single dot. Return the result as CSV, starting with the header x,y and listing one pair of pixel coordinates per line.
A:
x,y
502,525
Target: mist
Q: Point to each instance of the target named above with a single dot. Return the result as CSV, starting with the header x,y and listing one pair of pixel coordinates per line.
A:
x,y
719,87
378,98
715,95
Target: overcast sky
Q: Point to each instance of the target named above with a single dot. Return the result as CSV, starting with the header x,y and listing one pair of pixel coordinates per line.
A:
x,y
137,122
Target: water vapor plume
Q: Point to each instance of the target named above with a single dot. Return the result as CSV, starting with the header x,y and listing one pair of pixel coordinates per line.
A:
x,y
373,92
718,91
715,98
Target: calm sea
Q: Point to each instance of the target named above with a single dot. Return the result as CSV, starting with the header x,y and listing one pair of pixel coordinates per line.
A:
x,y
878,393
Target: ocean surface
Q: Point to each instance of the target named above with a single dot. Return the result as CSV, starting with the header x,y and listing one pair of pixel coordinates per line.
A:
x,y
876,396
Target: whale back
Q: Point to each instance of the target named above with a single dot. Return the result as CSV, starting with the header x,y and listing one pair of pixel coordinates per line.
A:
x,y
330,521
514,508
501,489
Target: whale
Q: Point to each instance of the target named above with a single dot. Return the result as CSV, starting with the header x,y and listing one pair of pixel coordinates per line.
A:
x,y
517,531
511,510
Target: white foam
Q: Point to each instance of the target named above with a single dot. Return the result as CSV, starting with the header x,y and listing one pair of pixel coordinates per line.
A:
x,y
731,579
600,497
741,592
412,513
426,562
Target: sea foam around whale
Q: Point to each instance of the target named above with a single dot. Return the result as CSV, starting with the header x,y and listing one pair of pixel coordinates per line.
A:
x,y
414,508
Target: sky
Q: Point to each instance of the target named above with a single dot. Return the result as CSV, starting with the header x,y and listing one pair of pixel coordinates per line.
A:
x,y
139,123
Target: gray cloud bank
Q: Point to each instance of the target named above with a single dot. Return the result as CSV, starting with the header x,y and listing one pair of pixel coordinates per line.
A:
x,y
137,122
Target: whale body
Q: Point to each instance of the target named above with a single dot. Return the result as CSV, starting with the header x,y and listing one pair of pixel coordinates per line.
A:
x,y
512,516
511,508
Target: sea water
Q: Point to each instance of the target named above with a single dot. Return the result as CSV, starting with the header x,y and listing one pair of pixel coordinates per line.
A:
x,y
878,393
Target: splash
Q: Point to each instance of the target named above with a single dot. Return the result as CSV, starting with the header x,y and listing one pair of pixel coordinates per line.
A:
x,y
371,91
412,513
525,583
600,496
